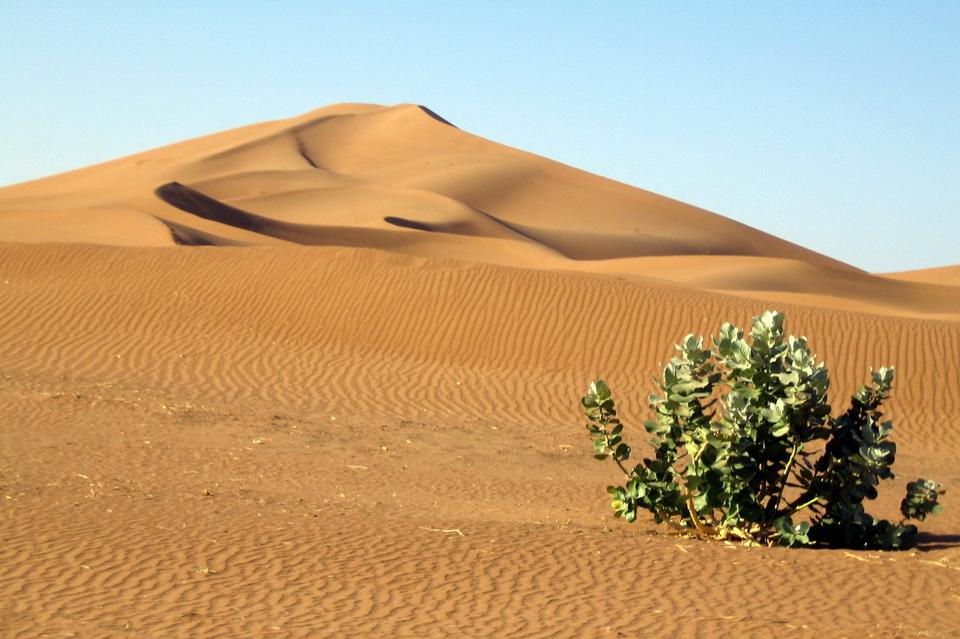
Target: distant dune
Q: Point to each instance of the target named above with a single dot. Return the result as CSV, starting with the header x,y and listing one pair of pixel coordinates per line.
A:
x,y
403,179
944,275
319,377
379,175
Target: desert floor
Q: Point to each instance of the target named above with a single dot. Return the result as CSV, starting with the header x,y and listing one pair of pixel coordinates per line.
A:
x,y
222,417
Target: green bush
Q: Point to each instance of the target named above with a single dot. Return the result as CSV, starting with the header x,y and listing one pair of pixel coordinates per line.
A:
x,y
744,447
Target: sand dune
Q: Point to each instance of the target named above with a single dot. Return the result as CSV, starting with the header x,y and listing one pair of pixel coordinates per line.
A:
x,y
352,166
319,377
403,179
944,276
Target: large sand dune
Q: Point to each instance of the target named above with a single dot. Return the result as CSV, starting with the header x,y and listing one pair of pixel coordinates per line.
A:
x,y
319,377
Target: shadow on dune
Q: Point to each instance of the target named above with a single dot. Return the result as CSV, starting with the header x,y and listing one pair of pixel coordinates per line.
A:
x,y
436,116
407,224
484,225
203,206
574,245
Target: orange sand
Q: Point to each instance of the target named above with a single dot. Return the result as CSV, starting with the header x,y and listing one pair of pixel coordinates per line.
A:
x,y
355,412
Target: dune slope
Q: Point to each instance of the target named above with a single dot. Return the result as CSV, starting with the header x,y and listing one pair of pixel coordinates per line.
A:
x,y
393,169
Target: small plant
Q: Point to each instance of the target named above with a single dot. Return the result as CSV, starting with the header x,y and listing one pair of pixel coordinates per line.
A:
x,y
745,447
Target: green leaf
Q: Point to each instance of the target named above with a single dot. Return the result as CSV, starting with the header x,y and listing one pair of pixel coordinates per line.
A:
x,y
599,392
921,499
780,430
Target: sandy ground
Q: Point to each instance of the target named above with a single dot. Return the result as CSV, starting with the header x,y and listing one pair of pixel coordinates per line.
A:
x,y
319,377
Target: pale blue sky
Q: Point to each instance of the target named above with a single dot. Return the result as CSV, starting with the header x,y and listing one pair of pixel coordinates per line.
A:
x,y
833,125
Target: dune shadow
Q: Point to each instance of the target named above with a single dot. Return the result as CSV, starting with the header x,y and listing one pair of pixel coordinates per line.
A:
x,y
436,116
569,244
208,208
203,206
407,224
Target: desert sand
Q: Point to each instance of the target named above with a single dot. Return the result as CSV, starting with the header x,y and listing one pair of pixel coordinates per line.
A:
x,y
319,377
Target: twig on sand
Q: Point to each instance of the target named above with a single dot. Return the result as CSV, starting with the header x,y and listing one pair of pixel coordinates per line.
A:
x,y
853,556
443,530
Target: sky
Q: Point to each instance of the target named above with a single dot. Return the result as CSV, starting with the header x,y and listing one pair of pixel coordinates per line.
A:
x,y
835,125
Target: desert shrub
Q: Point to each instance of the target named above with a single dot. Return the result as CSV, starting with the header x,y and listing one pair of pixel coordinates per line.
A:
x,y
744,447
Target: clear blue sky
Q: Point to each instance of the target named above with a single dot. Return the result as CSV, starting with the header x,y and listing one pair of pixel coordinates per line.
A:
x,y
834,125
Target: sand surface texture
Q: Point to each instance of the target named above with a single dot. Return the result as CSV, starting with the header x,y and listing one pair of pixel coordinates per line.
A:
x,y
318,377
